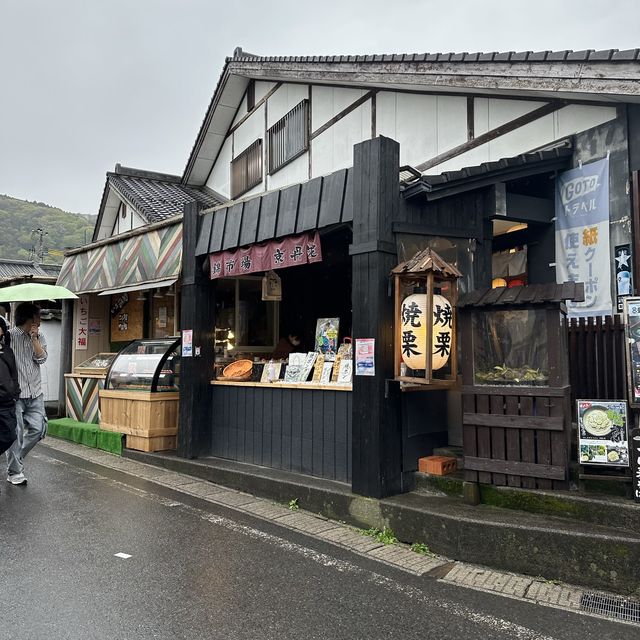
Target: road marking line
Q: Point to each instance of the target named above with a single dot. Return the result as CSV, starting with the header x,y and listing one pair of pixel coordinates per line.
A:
x,y
124,556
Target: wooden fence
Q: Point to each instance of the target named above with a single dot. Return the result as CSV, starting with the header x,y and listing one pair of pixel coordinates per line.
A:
x,y
597,366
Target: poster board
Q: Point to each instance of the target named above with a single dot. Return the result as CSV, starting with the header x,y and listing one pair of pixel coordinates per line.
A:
x,y
632,349
603,433
127,318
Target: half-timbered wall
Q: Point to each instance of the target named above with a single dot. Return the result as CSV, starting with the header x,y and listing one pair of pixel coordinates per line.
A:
x,y
425,125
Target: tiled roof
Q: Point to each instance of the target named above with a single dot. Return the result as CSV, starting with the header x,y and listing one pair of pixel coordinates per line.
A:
x,y
585,55
10,269
158,200
473,176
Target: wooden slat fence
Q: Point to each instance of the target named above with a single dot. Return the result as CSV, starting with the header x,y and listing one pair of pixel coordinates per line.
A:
x,y
597,366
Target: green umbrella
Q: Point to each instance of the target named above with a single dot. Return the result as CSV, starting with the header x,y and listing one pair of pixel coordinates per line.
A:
x,y
30,291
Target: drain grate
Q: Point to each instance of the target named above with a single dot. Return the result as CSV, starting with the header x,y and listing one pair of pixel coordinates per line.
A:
x,y
611,606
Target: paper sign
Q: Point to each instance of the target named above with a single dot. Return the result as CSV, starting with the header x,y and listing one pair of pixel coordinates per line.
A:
x,y
603,435
365,356
82,323
187,343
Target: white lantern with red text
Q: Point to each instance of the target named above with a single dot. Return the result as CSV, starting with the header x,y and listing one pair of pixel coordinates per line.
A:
x,y
415,335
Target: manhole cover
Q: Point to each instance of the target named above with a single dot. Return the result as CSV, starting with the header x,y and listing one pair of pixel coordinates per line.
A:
x,y
611,606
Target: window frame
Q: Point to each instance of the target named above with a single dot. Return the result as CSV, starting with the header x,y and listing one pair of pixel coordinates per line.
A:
x,y
246,185
280,128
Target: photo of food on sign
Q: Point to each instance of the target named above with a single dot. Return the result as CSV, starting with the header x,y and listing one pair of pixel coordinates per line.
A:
x,y
603,432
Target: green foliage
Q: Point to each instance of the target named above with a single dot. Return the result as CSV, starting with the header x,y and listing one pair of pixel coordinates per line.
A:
x,y
293,504
386,536
422,549
18,218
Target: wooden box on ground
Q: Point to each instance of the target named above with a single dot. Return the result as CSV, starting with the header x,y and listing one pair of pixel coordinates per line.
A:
x,y
149,420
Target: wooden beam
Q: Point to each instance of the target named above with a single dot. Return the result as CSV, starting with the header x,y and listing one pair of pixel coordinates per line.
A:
x,y
513,422
345,112
509,467
471,126
257,106
507,127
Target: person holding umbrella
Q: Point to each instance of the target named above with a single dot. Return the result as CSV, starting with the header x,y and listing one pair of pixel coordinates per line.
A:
x,y
9,389
30,349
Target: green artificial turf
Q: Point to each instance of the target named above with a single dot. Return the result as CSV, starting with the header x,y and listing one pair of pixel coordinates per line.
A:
x,y
87,434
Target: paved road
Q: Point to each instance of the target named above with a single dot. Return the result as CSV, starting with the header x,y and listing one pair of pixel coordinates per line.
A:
x,y
199,570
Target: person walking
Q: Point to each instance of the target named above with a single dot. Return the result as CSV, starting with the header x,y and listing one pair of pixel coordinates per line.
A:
x,y
30,349
9,389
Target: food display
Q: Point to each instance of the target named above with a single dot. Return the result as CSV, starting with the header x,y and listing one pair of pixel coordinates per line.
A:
x,y
509,349
602,433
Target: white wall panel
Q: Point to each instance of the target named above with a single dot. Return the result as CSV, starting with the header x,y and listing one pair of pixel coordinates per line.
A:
x,y
292,173
333,149
501,111
249,131
530,136
327,102
578,117
241,113
262,88
452,122
220,177
284,99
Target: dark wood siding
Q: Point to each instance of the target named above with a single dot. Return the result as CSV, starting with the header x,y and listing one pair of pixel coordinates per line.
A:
x,y
302,430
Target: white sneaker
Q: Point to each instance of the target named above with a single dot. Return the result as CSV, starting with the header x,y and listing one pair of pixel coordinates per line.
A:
x,y
17,478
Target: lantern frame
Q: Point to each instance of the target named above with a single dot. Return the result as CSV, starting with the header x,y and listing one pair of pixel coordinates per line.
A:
x,y
426,269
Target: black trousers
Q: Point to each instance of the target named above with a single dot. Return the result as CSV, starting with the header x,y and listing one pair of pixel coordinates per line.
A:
x,y
8,427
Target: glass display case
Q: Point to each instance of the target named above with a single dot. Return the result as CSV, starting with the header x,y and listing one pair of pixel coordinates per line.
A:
x,y
510,347
96,365
146,365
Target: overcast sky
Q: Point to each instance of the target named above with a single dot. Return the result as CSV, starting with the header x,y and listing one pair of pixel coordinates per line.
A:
x,y
88,83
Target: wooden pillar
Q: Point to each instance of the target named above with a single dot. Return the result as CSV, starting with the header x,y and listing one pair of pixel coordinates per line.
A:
x,y
377,433
197,311
66,357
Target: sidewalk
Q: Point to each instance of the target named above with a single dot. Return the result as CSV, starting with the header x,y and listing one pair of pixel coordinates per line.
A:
x,y
592,548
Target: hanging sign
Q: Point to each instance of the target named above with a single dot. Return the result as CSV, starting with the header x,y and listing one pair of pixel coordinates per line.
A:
x,y
276,254
624,283
582,236
603,433
82,323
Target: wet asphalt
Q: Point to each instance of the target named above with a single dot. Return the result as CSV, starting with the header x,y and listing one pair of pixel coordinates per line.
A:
x,y
198,570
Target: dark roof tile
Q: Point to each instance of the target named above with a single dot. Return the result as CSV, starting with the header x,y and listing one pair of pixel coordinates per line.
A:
x,y
538,56
605,54
579,56
625,56
487,57
520,56
556,56
505,56
157,200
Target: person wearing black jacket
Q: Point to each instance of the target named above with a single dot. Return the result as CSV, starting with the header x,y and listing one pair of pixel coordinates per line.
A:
x,y
9,389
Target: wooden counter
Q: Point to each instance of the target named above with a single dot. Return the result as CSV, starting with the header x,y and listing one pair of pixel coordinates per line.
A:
x,y
149,420
310,386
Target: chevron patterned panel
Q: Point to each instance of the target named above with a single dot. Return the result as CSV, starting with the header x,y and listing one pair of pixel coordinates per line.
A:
x,y
149,256
74,398
90,391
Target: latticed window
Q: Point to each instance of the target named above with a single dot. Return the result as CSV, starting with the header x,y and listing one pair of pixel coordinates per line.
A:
x,y
289,137
246,169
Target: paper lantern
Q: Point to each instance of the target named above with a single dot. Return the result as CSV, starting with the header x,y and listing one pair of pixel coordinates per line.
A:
x,y
414,331
441,336
498,282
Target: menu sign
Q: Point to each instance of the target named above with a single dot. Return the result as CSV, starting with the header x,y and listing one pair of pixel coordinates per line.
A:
x,y
632,333
635,463
603,433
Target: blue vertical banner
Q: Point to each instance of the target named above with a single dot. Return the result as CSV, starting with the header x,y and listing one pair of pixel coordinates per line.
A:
x,y
582,236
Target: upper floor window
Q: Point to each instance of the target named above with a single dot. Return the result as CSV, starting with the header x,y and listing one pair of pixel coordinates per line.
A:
x,y
246,169
289,137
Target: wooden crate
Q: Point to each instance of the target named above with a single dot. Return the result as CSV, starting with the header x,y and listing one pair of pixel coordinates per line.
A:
x,y
149,420
155,443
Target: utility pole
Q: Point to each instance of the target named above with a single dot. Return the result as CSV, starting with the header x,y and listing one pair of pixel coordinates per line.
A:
x,y
38,250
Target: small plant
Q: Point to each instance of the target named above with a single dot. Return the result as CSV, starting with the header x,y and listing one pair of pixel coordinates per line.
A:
x,y
422,549
293,504
386,536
